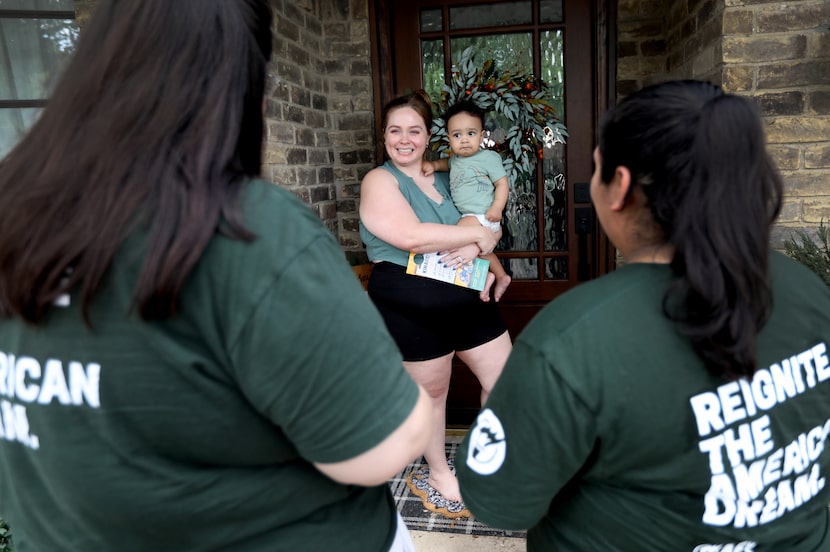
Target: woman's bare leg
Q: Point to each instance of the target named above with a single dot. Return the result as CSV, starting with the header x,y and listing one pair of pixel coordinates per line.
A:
x,y
434,376
487,361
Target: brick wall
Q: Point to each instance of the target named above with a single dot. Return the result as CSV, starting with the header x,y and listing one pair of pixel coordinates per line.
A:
x,y
642,57
319,108
777,53
693,39
351,109
659,40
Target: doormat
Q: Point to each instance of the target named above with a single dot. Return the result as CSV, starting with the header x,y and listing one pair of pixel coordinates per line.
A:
x,y
410,486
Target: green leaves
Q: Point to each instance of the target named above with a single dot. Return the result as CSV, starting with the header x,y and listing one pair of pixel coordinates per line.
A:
x,y
5,537
812,255
522,102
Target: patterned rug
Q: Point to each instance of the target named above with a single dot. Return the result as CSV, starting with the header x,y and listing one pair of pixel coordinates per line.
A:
x,y
423,509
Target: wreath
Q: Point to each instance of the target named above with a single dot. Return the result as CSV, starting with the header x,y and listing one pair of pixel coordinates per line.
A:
x,y
525,101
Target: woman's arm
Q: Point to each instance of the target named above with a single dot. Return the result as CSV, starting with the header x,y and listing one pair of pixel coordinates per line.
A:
x,y
390,456
387,214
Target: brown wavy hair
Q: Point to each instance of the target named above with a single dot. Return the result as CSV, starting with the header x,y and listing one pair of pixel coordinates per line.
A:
x,y
156,124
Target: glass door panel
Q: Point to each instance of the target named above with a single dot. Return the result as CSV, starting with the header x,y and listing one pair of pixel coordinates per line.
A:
x,y
511,52
14,122
550,11
431,20
556,199
490,15
552,48
34,53
433,66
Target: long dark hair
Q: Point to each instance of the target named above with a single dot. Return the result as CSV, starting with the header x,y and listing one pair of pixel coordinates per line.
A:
x,y
156,124
698,155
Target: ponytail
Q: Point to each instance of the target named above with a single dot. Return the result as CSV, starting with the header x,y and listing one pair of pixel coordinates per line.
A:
x,y
698,154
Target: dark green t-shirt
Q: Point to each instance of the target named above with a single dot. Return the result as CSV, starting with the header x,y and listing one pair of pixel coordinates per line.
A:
x,y
198,433
606,432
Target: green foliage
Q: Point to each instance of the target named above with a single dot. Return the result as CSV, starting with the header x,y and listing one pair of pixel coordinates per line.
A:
x,y
815,256
5,537
522,101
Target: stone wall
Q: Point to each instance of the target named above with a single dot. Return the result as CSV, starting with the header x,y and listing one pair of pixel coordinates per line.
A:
x,y
642,57
319,108
659,39
777,53
693,39
351,108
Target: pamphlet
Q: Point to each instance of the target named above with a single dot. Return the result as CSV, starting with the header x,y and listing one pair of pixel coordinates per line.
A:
x,y
472,274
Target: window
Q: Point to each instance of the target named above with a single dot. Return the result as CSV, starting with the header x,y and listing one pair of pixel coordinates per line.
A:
x,y
37,38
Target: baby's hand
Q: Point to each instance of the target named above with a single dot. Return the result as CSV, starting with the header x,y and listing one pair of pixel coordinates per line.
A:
x,y
427,168
493,215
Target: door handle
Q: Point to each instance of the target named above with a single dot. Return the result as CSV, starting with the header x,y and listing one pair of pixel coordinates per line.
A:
x,y
583,225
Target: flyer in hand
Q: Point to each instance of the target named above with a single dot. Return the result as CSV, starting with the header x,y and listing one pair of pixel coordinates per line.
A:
x,y
471,275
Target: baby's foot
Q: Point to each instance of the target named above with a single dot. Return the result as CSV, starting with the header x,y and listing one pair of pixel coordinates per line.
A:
x,y
447,485
501,286
484,294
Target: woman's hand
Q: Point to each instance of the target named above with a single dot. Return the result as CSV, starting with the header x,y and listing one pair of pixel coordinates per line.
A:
x,y
460,255
488,240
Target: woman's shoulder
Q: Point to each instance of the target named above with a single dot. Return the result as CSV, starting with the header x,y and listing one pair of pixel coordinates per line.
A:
x,y
277,216
379,179
381,172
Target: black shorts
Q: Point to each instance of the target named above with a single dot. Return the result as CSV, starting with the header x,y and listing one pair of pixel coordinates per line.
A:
x,y
429,318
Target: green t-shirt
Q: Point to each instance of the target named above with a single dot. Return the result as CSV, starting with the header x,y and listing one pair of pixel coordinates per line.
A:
x,y
605,431
472,180
198,433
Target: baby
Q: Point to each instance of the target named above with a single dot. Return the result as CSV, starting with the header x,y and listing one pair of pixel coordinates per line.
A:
x,y
478,181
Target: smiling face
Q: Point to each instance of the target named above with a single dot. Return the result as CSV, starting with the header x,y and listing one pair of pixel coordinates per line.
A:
x,y
405,136
465,134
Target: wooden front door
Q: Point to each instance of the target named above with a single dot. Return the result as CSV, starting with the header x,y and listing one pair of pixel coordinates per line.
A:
x,y
551,239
